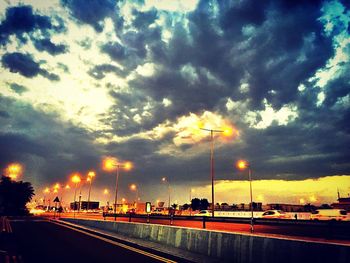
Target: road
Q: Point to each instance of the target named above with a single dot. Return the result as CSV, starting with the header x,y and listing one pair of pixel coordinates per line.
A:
x,y
41,241
301,232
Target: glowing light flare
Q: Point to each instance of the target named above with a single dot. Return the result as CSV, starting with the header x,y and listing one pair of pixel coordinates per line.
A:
x,y
56,186
106,191
13,176
46,190
76,178
14,170
164,179
91,174
302,201
133,187
128,166
242,165
109,163
313,198
67,187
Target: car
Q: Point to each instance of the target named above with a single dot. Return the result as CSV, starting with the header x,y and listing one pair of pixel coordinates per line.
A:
x,y
158,211
131,211
203,213
276,214
329,214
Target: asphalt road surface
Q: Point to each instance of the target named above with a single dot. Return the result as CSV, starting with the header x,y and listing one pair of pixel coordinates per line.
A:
x,y
39,241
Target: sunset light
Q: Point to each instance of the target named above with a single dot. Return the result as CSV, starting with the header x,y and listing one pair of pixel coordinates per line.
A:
x,y
219,116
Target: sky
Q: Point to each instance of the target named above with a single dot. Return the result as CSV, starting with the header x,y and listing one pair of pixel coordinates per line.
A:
x,y
136,80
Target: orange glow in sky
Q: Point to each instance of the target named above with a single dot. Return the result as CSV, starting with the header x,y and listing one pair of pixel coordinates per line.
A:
x,y
76,178
14,170
241,164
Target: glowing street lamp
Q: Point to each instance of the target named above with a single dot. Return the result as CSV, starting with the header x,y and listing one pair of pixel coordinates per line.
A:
x,y
90,177
226,132
76,179
242,165
110,164
14,170
165,180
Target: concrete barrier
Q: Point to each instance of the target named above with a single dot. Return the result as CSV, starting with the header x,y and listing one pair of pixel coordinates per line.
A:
x,y
229,247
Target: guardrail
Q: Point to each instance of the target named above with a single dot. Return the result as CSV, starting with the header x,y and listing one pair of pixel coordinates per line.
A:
x,y
330,228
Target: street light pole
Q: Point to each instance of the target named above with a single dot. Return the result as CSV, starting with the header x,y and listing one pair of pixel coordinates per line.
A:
x,y
251,199
75,179
164,179
191,201
212,165
75,197
109,163
90,177
116,193
242,165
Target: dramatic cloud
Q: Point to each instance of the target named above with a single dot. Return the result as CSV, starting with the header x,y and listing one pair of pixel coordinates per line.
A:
x,y
136,80
91,13
21,19
47,45
18,88
25,65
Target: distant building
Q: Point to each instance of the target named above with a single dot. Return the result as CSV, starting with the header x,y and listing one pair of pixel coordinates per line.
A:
x,y
257,206
343,203
84,205
285,207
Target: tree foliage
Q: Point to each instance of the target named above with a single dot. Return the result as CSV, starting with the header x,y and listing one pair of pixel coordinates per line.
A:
x,y
14,196
199,204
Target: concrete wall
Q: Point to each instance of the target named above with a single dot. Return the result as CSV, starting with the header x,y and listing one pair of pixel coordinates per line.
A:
x,y
230,247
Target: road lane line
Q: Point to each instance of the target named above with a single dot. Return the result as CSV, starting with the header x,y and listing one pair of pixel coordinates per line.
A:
x,y
119,244
9,228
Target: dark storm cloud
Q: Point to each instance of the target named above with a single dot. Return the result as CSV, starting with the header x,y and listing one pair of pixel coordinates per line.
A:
x,y
4,114
142,20
267,56
92,12
273,48
18,88
27,139
99,71
47,45
339,87
21,63
21,19
127,106
131,51
25,65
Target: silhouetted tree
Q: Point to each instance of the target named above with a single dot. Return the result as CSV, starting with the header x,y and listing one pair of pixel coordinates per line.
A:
x,y
195,204
204,204
234,207
309,207
14,196
186,206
